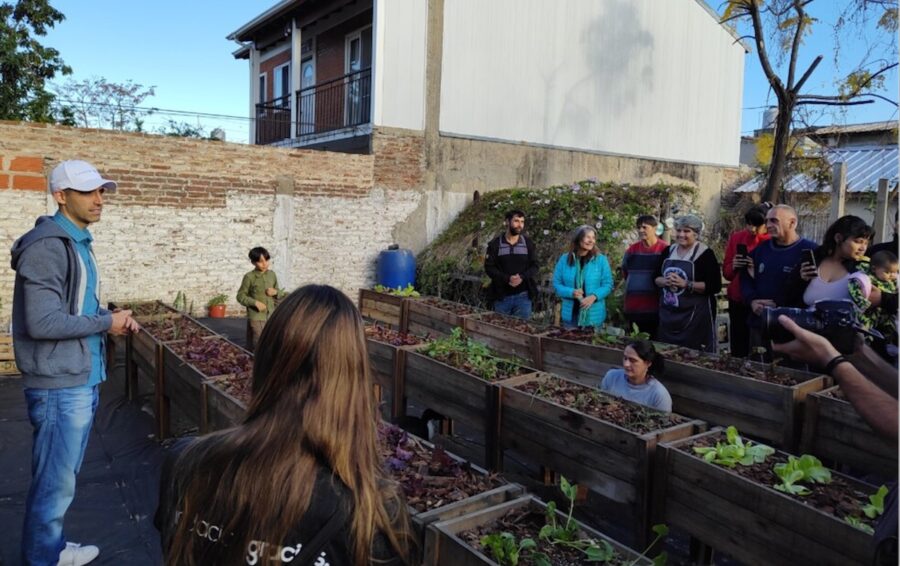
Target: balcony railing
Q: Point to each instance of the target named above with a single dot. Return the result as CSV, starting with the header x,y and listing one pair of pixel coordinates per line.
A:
x,y
332,105
273,120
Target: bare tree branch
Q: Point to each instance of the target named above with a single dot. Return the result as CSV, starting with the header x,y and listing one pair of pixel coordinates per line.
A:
x,y
795,46
834,103
808,72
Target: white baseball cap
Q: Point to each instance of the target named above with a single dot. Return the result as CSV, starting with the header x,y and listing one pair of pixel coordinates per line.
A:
x,y
80,176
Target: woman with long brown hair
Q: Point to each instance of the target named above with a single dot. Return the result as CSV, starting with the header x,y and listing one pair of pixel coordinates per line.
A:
x,y
300,478
582,280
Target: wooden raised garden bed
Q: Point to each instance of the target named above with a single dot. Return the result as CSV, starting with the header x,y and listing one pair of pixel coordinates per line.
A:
x,y
224,401
572,354
458,393
737,512
598,441
430,316
7,356
507,335
383,307
740,393
387,359
438,485
186,365
834,431
456,542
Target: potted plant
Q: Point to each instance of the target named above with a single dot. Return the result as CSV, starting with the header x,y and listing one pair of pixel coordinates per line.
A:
x,y
216,306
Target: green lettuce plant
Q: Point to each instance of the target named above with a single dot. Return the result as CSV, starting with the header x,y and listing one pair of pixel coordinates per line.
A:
x,y
806,468
734,451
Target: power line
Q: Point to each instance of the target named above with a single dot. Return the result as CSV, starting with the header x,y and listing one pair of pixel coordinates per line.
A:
x,y
154,110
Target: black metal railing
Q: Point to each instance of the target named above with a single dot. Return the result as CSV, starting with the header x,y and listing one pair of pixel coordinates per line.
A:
x,y
339,103
273,120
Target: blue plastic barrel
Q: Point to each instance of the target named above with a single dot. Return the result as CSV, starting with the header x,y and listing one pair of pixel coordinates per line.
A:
x,y
396,268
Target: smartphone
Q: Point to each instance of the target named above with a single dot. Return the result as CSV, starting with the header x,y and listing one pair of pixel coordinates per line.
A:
x,y
742,249
808,257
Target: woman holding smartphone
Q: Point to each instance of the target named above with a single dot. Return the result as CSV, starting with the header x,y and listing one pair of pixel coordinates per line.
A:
x,y
737,261
832,271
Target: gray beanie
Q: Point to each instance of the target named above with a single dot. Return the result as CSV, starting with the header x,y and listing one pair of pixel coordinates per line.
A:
x,y
691,221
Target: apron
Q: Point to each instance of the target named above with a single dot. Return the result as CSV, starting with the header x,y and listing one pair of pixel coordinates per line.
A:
x,y
685,319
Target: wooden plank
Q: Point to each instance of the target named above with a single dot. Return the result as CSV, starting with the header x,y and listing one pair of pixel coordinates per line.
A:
x,y
389,309
444,548
505,341
7,356
594,430
764,506
451,392
424,319
222,410
494,497
834,431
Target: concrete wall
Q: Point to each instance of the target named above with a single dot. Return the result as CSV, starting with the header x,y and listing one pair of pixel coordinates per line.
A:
x,y
399,63
643,78
188,211
456,167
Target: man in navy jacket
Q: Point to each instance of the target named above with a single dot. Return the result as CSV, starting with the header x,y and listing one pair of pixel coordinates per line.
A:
x,y
772,262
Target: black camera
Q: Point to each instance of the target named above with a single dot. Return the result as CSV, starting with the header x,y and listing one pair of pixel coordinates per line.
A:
x,y
836,320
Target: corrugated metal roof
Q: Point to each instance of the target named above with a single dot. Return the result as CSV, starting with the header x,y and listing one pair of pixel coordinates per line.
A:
x,y
865,166
853,128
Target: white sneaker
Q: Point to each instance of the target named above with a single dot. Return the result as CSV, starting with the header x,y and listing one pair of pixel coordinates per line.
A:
x,y
76,555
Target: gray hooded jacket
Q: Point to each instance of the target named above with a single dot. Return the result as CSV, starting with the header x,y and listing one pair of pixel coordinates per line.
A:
x,y
49,331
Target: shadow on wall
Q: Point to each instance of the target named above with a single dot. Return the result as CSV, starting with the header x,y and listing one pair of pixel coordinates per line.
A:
x,y
618,53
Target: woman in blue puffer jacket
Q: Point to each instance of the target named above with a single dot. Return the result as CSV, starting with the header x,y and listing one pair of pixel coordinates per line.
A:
x,y
582,279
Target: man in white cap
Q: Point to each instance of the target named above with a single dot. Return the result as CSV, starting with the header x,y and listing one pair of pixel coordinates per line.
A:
x,y
58,333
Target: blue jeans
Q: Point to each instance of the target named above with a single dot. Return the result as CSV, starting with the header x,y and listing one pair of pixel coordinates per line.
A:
x,y
62,420
515,305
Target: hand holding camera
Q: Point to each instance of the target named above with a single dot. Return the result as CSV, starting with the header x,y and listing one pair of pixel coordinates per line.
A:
x,y
834,322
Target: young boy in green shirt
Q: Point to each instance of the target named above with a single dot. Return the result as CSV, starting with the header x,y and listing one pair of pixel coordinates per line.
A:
x,y
258,292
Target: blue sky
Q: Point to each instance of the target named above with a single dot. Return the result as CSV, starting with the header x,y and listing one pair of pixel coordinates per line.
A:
x,y
180,48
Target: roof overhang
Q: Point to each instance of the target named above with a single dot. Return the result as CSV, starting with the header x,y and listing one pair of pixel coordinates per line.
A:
x,y
245,32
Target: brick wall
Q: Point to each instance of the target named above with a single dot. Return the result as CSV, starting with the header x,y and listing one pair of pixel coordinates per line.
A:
x,y
267,67
187,211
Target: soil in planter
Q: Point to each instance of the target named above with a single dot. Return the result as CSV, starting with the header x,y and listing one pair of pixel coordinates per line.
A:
x,y
509,322
471,356
836,393
430,478
147,309
239,385
525,523
727,364
584,335
169,329
630,416
449,306
379,333
837,498
213,356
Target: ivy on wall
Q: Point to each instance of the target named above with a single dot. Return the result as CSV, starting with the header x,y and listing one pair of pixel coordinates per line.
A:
x,y
450,264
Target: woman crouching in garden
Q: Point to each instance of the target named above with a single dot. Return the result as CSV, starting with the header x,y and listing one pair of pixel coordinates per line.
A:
x,y
636,381
582,279
300,478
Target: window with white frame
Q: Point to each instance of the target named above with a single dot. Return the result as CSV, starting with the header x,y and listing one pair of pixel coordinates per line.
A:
x,y
261,94
282,84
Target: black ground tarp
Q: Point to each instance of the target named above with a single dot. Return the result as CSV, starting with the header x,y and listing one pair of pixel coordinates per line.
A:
x,y
116,493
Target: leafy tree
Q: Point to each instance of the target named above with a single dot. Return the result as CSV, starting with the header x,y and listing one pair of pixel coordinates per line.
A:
x,y
99,103
182,129
25,64
778,28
